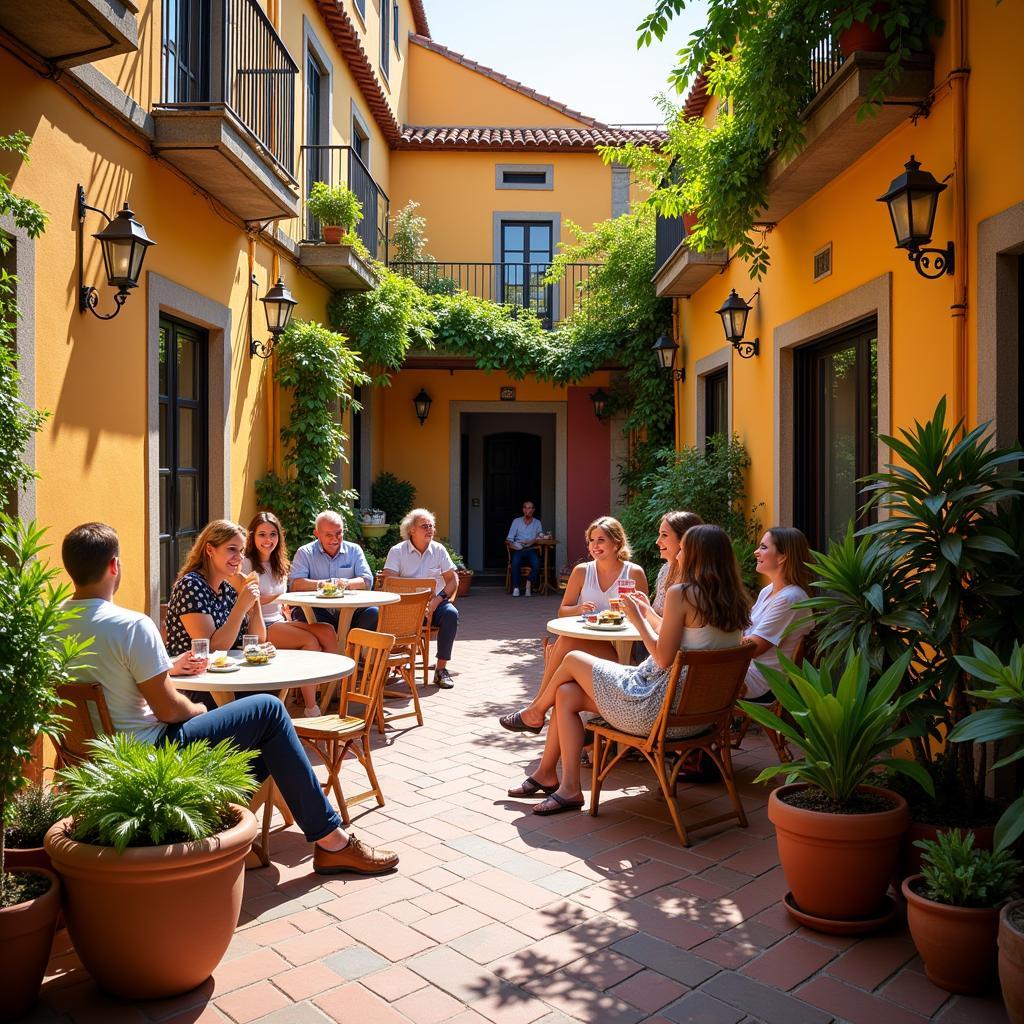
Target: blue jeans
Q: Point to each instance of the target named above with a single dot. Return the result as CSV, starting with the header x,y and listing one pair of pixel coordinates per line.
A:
x,y
362,618
531,556
446,618
260,722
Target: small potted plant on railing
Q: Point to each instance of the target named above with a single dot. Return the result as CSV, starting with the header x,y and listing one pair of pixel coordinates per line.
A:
x,y
953,909
152,856
831,824
336,207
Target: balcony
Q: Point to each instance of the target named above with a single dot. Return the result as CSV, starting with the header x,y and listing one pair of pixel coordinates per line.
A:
x,y
516,284
228,111
681,271
339,266
66,33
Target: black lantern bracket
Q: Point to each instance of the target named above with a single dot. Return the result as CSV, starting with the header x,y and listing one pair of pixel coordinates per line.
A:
x,y
278,304
934,263
133,232
734,312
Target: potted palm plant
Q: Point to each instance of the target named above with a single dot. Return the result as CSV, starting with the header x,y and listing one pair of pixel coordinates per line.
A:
x,y
34,658
336,207
953,909
152,856
830,822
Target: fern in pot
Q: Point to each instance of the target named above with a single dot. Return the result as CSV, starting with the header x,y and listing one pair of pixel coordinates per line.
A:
x,y
830,821
153,834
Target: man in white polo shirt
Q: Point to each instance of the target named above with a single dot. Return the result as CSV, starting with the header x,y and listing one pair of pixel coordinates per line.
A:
x,y
419,556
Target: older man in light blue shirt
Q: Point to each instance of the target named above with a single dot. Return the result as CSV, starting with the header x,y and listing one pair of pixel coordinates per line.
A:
x,y
330,556
524,530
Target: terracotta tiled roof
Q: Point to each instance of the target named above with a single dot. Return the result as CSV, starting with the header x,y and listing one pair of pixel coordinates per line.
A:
x,y
548,139
419,18
697,98
509,83
346,37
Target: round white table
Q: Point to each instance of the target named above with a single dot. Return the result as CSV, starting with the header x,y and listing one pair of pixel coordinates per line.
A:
x,y
621,639
345,605
285,670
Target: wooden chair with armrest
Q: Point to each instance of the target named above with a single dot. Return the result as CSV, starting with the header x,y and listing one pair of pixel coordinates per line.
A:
x,y
403,585
405,622
88,716
741,720
333,736
707,695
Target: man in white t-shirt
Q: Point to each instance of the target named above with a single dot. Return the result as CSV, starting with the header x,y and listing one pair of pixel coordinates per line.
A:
x,y
128,659
420,556
522,535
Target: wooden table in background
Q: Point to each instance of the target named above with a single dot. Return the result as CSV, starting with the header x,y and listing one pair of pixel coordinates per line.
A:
x,y
547,545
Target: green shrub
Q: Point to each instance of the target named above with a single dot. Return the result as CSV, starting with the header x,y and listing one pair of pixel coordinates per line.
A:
x,y
960,876
130,793
335,206
392,496
33,811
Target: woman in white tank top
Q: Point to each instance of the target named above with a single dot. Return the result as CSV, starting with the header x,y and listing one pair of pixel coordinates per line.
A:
x,y
590,588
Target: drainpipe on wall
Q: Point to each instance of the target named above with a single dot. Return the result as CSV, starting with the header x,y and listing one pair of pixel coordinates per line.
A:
x,y
958,83
677,385
273,398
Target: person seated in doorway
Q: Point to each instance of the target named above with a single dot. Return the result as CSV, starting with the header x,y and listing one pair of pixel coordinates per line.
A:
x,y
127,657
420,556
522,536
331,557
267,555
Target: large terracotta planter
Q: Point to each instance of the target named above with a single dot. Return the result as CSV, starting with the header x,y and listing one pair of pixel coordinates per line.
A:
x,y
838,866
154,921
957,944
26,935
1011,960
332,233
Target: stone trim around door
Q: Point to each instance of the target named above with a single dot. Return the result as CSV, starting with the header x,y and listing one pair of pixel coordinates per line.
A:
x,y
558,409
1000,244
712,362
874,298
25,346
166,296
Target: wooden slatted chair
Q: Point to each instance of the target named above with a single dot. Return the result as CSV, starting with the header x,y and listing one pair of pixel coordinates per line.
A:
x,y
524,571
400,585
741,720
708,694
333,736
86,709
405,622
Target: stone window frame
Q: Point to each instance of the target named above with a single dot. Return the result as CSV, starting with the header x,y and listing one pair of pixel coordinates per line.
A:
x,y
164,296
871,299
710,364
547,185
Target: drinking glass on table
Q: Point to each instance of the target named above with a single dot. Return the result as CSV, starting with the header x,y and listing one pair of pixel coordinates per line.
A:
x,y
201,650
340,582
626,586
249,640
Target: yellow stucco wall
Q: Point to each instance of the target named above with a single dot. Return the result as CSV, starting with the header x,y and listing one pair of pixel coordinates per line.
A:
x,y
846,214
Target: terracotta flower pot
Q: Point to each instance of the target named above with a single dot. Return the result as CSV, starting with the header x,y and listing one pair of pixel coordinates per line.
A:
x,y
465,582
860,38
153,921
332,233
838,866
910,855
690,222
16,859
26,935
957,944
1011,959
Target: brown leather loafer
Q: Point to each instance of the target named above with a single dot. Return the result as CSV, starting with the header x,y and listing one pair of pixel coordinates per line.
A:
x,y
356,857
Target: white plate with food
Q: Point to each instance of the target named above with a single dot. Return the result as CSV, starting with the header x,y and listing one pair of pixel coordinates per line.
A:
x,y
232,667
607,627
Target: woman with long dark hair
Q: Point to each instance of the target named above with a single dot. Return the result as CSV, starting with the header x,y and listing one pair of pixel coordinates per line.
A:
x,y
707,610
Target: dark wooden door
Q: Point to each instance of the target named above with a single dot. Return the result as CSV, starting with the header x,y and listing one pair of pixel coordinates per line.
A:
x,y
511,476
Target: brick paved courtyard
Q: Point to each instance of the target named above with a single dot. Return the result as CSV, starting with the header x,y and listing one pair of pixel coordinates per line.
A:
x,y
497,915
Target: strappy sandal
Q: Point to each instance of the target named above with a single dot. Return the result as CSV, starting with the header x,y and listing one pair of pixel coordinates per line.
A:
x,y
531,787
514,723
561,805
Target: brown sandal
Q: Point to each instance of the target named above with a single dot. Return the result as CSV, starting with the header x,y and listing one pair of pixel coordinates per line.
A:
x,y
561,805
531,787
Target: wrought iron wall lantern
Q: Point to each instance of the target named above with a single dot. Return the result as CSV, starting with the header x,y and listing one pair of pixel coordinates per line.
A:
x,y
912,200
600,400
278,304
422,402
734,312
123,243
665,350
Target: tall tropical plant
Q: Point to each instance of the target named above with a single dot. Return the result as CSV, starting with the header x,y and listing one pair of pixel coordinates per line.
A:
x,y
942,567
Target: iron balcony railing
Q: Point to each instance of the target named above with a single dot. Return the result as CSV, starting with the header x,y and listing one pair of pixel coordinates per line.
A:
x,y
826,60
225,54
517,284
668,233
342,165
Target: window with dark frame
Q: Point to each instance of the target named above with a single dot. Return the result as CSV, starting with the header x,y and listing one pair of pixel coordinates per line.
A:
x,y
524,177
836,431
186,51
394,26
716,406
183,444
361,8
526,255
317,160
385,37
